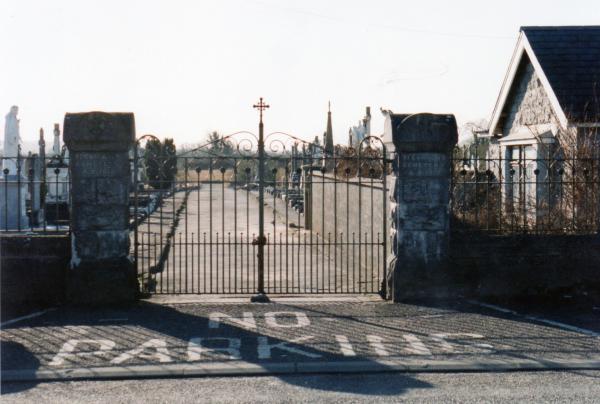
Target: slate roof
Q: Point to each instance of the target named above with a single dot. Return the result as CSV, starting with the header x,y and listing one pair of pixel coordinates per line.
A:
x,y
570,59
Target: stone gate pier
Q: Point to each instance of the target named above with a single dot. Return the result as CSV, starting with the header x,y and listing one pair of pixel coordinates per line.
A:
x,y
101,269
420,203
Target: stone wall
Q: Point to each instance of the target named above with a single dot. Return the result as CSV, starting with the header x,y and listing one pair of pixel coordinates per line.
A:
x,y
349,208
528,103
517,266
33,270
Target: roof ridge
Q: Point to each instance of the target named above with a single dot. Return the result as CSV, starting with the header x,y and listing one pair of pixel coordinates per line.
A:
x,y
558,27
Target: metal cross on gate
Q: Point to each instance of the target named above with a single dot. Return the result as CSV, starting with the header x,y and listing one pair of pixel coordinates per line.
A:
x,y
261,106
261,297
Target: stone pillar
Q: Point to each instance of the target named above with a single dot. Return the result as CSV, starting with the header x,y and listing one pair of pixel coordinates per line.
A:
x,y
101,267
420,200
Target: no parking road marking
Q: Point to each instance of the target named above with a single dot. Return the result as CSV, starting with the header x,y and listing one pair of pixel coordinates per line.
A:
x,y
225,347
272,319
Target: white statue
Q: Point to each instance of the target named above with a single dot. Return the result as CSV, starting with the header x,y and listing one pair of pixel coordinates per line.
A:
x,y
13,191
12,140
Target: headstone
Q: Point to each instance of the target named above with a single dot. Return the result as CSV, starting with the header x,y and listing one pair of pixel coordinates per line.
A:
x,y
33,168
57,182
35,181
42,145
56,143
39,163
13,182
101,266
420,201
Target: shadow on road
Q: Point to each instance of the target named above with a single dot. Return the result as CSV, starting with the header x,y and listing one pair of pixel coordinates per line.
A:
x,y
11,352
357,384
34,343
145,321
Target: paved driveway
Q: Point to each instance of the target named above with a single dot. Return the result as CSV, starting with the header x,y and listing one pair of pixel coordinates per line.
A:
x,y
212,250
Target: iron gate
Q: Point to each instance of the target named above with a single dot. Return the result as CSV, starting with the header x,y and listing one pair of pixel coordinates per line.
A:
x,y
236,217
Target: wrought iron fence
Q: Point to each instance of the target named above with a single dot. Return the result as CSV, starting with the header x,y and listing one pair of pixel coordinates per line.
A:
x,y
199,229
35,194
525,189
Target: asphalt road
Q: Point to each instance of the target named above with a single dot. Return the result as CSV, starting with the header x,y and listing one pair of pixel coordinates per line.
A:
x,y
294,335
307,333
535,387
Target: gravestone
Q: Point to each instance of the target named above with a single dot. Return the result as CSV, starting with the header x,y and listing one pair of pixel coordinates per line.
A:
x,y
35,190
13,182
101,267
57,196
36,176
420,200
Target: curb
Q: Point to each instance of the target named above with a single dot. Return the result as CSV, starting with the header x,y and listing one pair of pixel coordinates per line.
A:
x,y
26,317
274,298
240,368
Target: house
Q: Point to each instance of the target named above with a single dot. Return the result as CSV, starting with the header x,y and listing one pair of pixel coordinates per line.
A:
x,y
547,113
552,83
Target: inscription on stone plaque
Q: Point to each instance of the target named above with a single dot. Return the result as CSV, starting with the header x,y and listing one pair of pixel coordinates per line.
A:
x,y
422,164
89,193
421,191
89,217
111,190
98,165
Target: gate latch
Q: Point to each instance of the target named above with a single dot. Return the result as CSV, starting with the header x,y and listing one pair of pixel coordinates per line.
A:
x,y
259,240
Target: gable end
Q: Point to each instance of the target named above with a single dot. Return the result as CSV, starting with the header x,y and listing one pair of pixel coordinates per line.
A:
x,y
527,102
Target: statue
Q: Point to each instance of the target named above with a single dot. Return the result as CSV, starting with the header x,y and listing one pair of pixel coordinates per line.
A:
x,y
12,140
13,191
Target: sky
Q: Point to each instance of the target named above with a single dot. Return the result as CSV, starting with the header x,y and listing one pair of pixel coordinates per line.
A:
x,y
185,68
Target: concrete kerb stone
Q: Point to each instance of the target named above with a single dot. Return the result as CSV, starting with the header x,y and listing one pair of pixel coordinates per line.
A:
x,y
238,368
282,299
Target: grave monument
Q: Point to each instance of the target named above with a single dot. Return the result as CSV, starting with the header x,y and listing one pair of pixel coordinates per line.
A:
x,y
13,183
